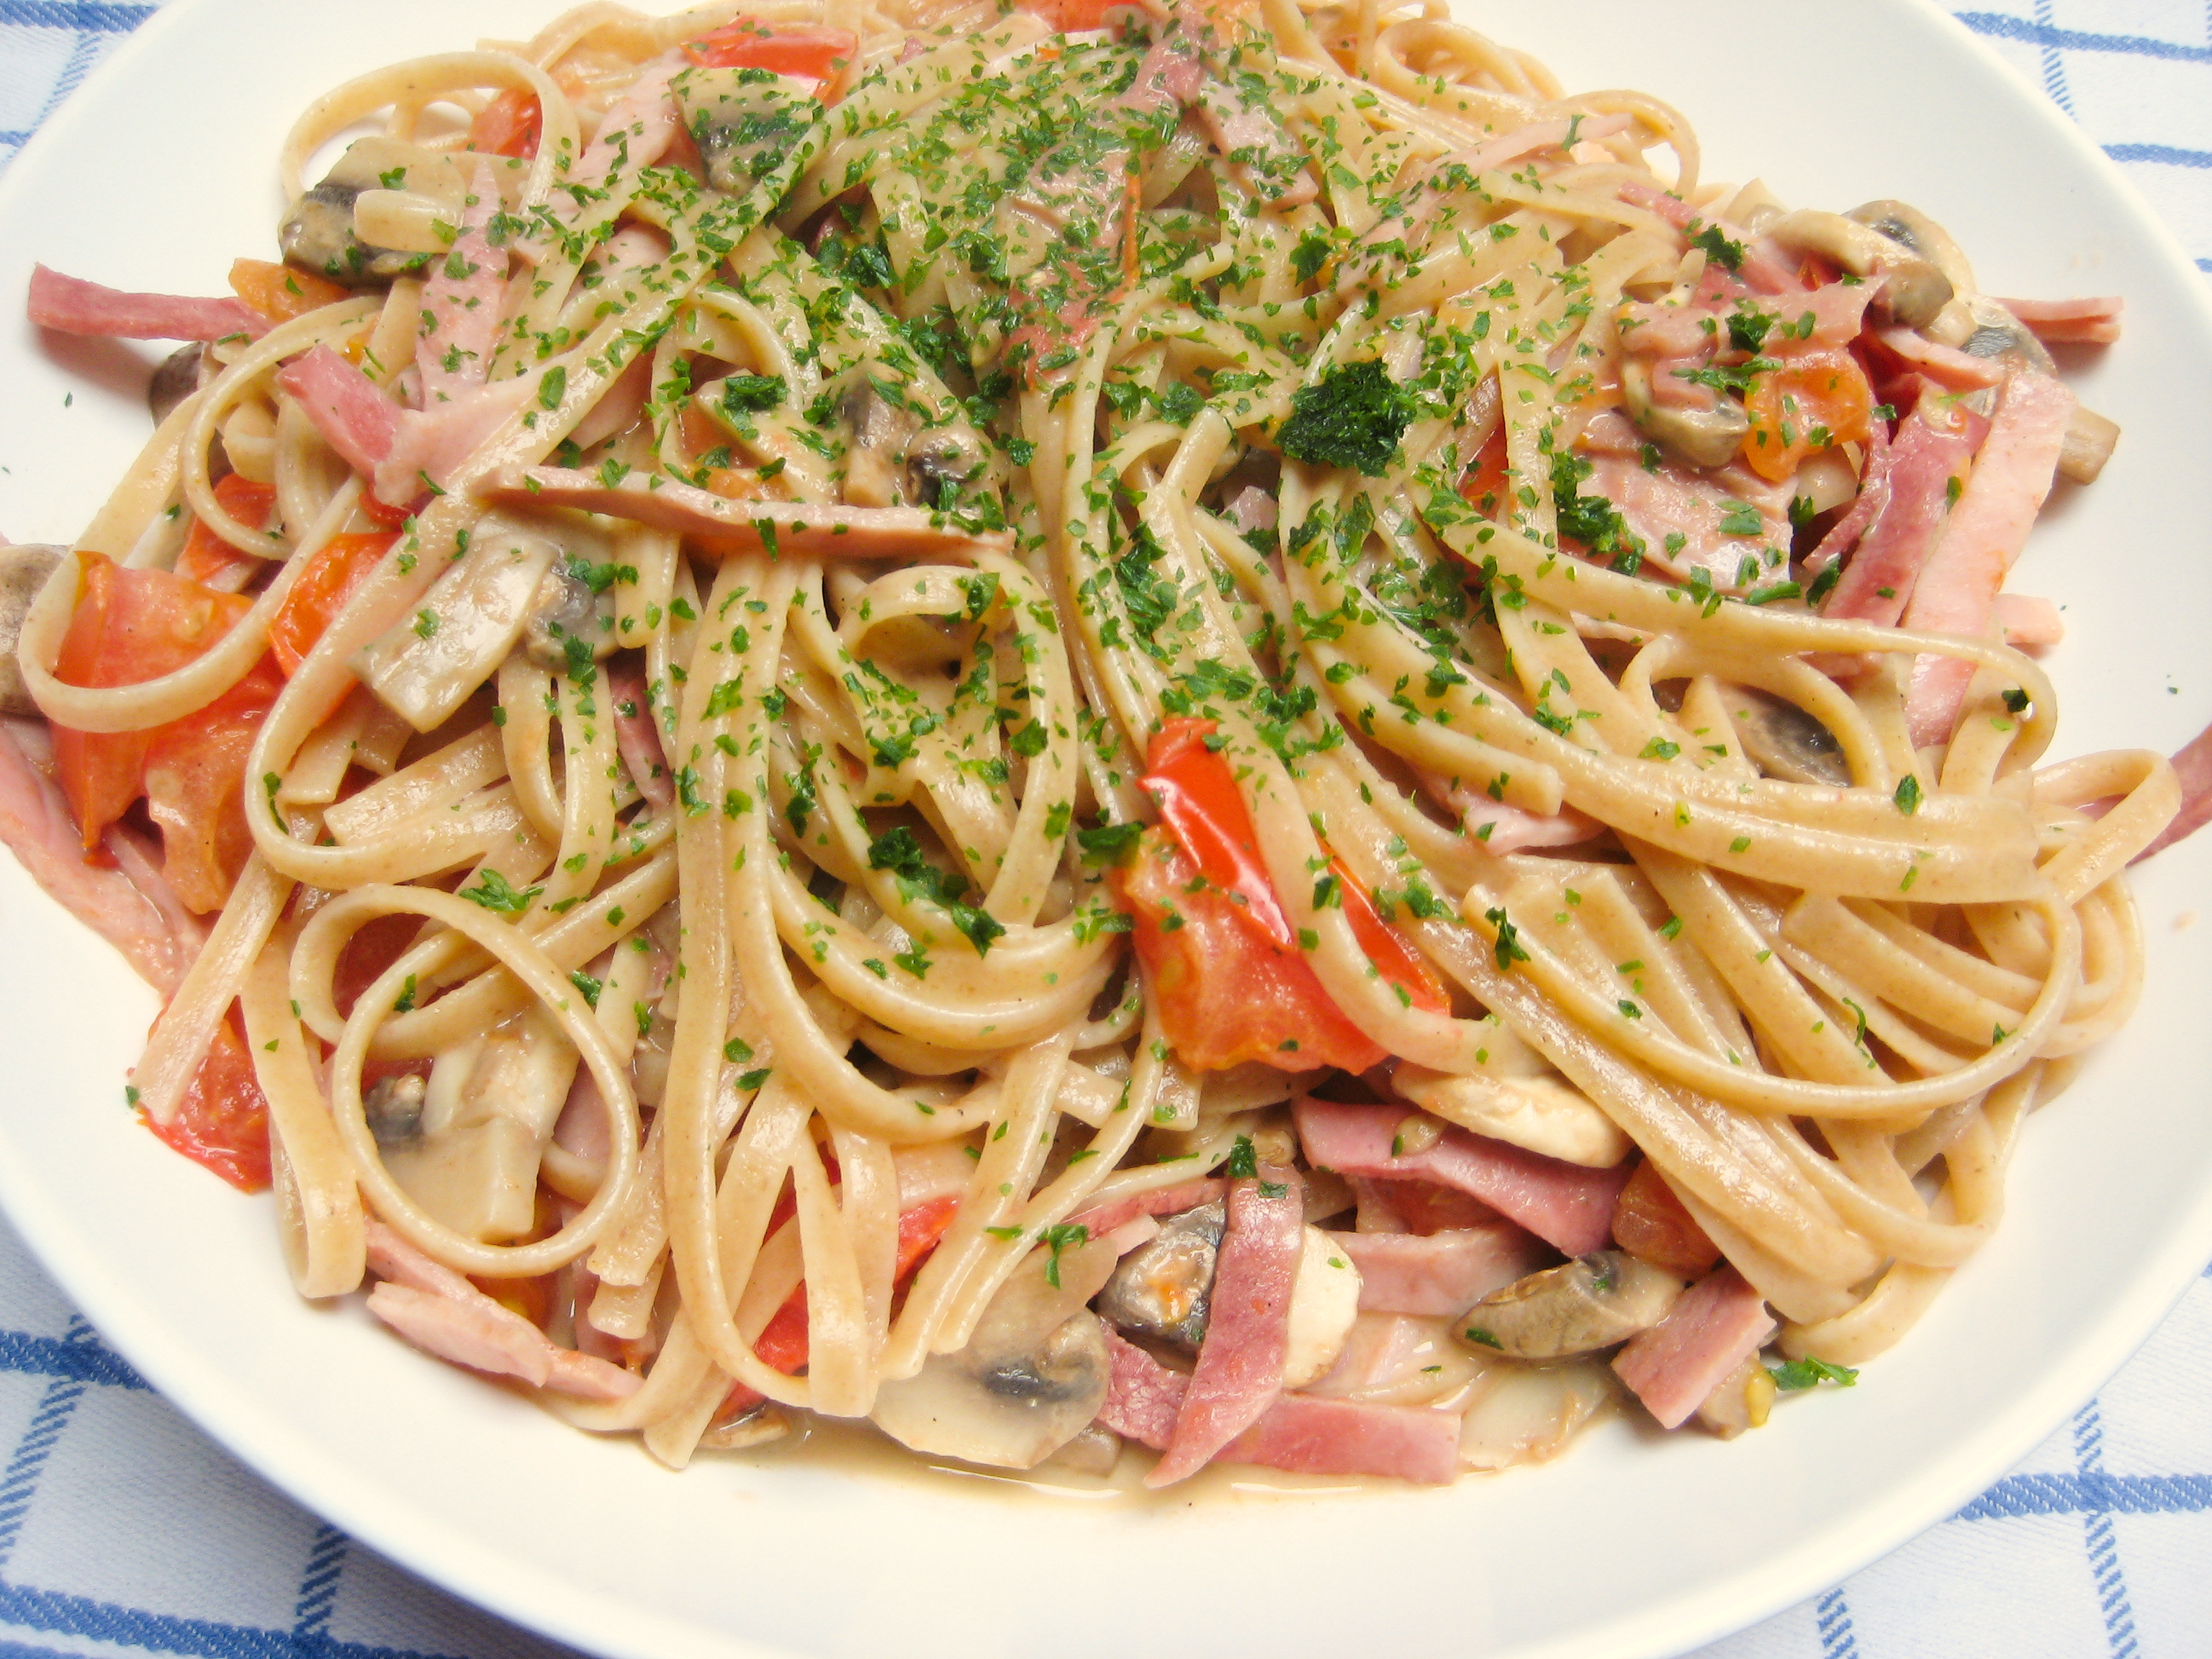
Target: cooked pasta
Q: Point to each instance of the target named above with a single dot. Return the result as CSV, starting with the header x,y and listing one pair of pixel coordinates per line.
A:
x,y
1221,728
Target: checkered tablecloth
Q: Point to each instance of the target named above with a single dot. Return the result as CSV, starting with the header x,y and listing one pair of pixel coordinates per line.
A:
x,y
126,1531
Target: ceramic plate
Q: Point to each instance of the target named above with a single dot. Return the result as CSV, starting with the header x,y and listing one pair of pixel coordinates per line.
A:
x,y
161,169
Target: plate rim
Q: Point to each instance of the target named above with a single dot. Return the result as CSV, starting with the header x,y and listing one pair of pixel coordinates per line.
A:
x,y
539,1599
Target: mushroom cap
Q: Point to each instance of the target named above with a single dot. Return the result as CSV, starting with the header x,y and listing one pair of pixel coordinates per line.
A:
x,y
1785,742
1704,437
1914,289
1160,1291
1010,1411
1590,1302
23,571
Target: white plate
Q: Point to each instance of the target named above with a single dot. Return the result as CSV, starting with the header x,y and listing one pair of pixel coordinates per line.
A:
x,y
160,170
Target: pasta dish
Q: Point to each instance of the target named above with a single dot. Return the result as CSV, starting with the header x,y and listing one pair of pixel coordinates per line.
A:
x,y
1219,729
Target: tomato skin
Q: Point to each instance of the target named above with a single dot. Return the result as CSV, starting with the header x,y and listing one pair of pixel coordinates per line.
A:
x,y
1654,1226
281,293
205,558
223,1123
321,592
509,126
135,625
1812,403
1232,983
815,54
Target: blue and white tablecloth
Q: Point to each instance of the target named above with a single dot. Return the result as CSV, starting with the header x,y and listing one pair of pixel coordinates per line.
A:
x,y
123,1530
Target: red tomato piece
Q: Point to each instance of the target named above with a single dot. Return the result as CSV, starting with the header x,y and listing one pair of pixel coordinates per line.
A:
x,y
1653,1224
321,592
1812,403
817,54
1484,487
206,558
223,1123
1205,812
195,788
509,126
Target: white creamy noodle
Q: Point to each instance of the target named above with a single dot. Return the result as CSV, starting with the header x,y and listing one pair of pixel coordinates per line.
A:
x,y
1024,654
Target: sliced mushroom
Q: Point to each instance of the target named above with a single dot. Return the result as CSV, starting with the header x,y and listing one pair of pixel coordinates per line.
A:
x,y
23,571
1159,1291
2001,337
1908,227
1528,1413
1579,1307
1324,1303
744,123
1545,1115
1914,290
567,608
877,432
1704,437
1741,1400
2090,438
393,1106
176,380
1094,1451
1826,480
1785,742
1032,1378
319,233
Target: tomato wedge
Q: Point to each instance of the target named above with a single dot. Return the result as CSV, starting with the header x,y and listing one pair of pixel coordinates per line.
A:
x,y
135,625
1812,403
509,126
1232,983
223,1123
279,292
319,592
817,54
205,558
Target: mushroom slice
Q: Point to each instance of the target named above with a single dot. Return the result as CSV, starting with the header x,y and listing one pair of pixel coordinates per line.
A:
x,y
1590,1302
2001,337
1528,1413
2090,438
1160,1289
745,124
1785,742
1914,290
176,380
1538,1113
1032,1378
571,605
1741,1400
1908,227
876,433
23,571
1324,1304
1704,437
319,233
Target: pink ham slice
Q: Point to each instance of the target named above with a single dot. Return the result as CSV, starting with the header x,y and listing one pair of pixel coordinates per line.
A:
x,y
2070,322
429,445
461,296
637,737
1104,1218
1439,1274
2193,767
1926,457
69,305
1957,588
1239,1372
1300,1433
2031,623
158,940
442,1313
1873,495
352,413
1945,365
1714,1327
1569,1207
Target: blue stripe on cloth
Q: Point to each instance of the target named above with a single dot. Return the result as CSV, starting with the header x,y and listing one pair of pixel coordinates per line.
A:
x,y
19,1484
2001,27
319,1585
1833,1617
84,1361
72,14
2018,1495
2097,1536
2165,154
59,1614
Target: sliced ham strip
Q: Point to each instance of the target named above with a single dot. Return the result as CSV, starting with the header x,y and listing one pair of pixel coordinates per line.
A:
x,y
462,294
1309,1435
634,133
69,305
1104,1218
1567,1206
1947,365
442,1313
1499,828
1958,587
1873,495
1415,1207
2031,624
1239,1372
2192,765
1714,1327
348,408
1927,455
637,737
36,825
432,444
1301,1433
2070,322
1439,1274
725,526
